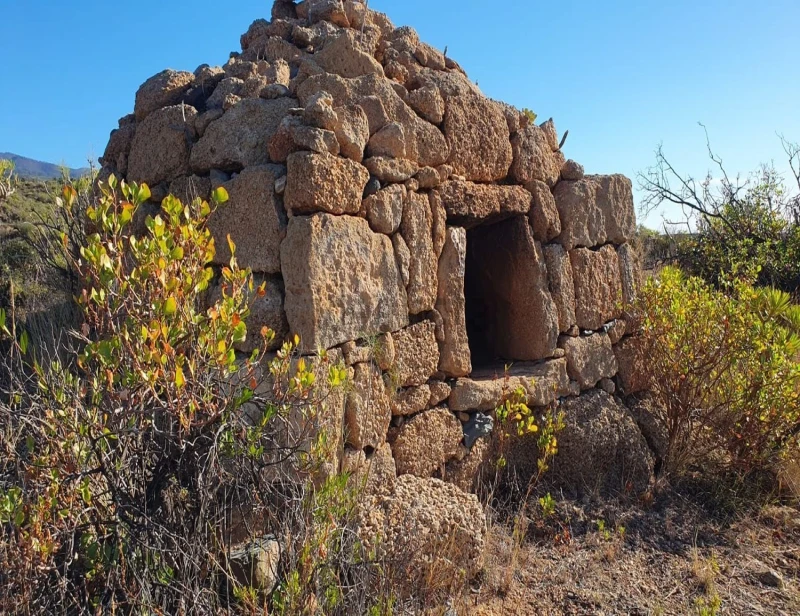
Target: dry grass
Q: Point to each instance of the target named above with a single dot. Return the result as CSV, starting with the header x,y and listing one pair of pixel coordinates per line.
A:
x,y
675,557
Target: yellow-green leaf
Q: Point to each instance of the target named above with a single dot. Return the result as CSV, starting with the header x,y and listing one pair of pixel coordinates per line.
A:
x,y
180,380
220,195
170,306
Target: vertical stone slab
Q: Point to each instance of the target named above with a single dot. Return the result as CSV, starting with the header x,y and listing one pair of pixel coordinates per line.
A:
x,y
630,273
342,281
544,213
615,201
598,288
254,218
562,285
454,353
417,231
367,411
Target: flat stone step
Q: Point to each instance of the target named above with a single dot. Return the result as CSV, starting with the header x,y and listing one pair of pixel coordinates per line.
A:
x,y
486,388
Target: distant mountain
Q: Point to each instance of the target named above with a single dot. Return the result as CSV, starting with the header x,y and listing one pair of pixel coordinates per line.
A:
x,y
36,169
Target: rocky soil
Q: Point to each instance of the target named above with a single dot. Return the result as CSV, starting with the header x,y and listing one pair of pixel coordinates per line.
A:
x,y
674,556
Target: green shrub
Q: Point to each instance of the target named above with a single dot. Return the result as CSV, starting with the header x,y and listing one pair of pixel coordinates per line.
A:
x,y
734,225
131,474
755,240
723,368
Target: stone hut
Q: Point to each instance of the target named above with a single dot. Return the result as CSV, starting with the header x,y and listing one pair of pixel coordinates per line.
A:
x,y
429,234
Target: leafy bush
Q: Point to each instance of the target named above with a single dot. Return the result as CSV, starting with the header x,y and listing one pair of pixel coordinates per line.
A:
x,y
734,224
723,368
753,237
132,475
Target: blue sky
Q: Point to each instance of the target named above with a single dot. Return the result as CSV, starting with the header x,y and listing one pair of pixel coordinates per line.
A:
x,y
621,75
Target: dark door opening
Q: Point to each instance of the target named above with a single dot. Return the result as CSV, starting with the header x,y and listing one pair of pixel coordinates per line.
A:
x,y
480,302
506,296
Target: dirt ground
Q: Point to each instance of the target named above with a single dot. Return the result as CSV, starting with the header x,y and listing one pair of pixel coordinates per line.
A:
x,y
695,550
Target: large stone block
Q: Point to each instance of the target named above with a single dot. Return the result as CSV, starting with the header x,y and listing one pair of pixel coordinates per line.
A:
x,y
240,138
374,474
367,412
384,209
391,170
266,311
417,231
477,133
534,158
598,288
165,89
160,148
416,354
352,131
582,223
595,210
512,314
344,55
342,281
189,188
615,201
323,183
426,442
254,219
589,358
601,449
426,525
562,285
327,10
544,213
468,204
428,103
454,353
118,148
464,472
411,400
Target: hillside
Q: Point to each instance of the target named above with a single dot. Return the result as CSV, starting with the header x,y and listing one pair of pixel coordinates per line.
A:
x,y
36,169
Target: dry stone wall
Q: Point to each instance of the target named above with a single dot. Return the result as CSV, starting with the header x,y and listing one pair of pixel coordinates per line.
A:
x,y
430,233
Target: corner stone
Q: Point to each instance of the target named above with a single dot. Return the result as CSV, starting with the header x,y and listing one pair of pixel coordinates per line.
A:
x,y
342,281
254,218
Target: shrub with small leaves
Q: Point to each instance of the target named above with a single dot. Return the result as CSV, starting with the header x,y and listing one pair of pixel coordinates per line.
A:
x,y
723,366
132,472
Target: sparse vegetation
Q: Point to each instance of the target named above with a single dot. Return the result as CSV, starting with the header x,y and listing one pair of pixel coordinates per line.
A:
x,y
7,179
